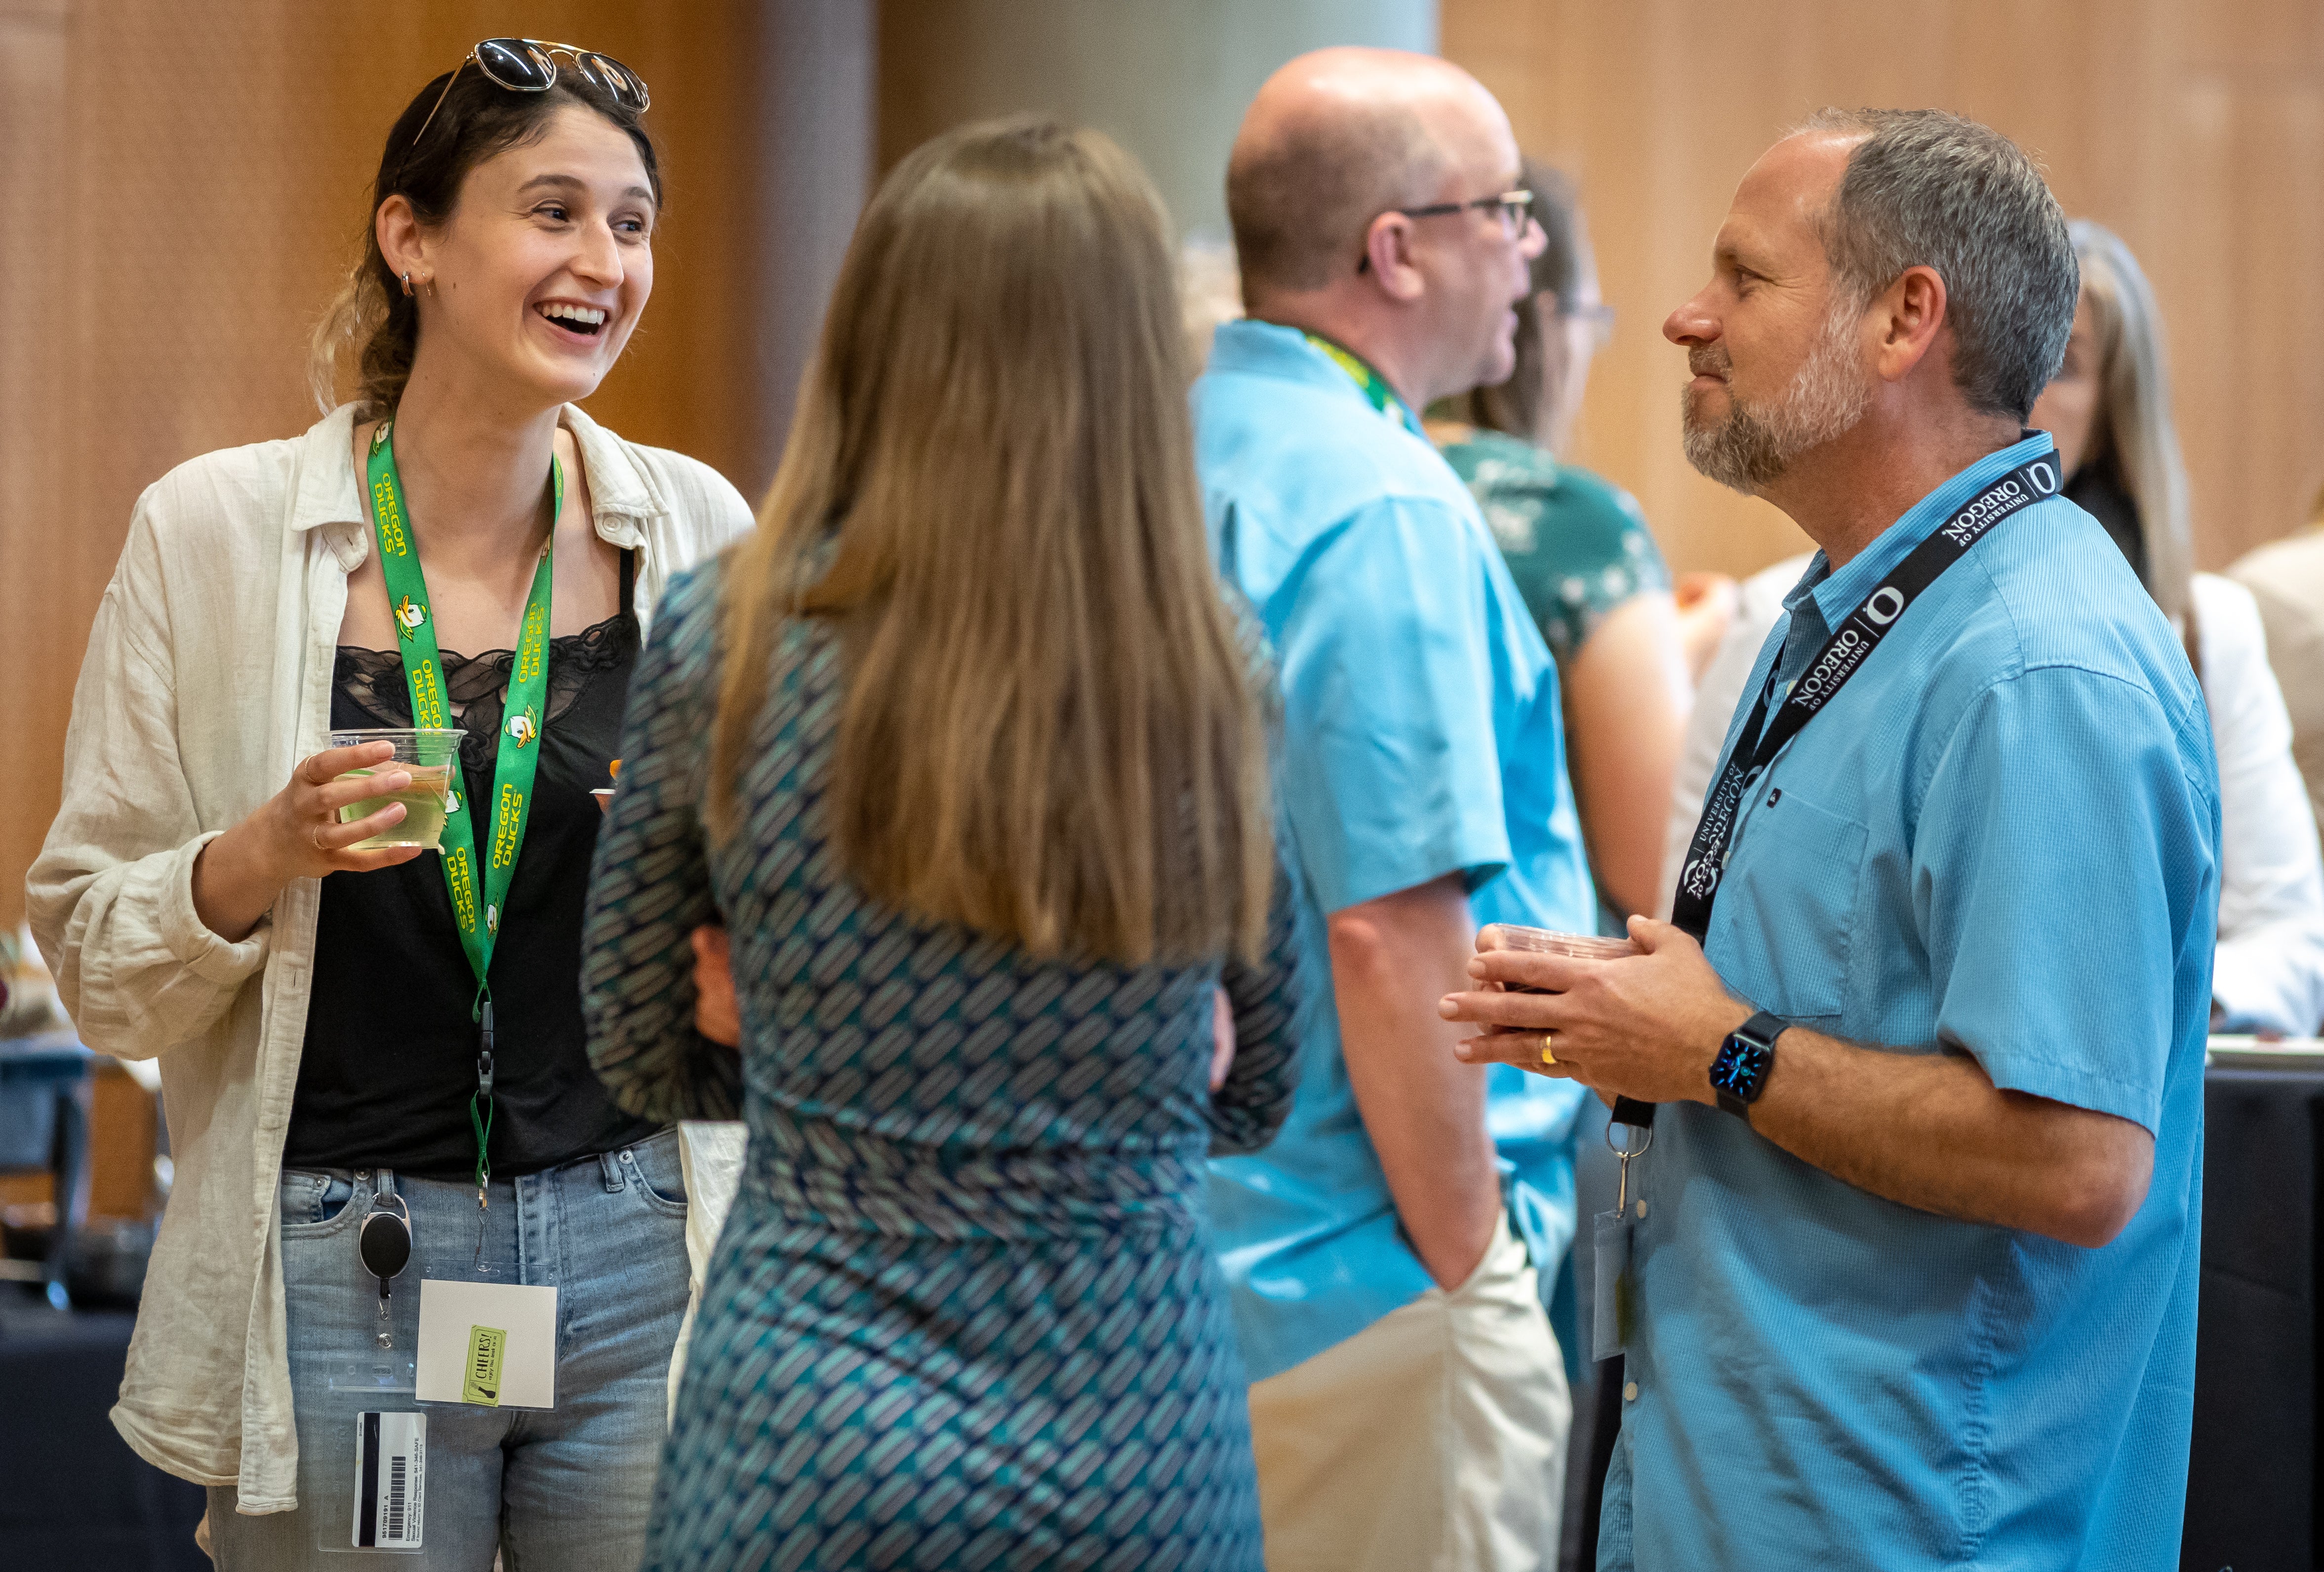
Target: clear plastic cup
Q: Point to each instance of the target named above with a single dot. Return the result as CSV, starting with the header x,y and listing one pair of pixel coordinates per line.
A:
x,y
1549,942
432,755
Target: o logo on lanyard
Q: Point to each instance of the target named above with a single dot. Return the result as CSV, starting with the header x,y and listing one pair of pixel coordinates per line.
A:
x,y
2045,476
1887,604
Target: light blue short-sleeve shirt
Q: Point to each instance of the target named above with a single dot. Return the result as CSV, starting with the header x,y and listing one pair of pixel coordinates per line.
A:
x,y
1421,737
2000,839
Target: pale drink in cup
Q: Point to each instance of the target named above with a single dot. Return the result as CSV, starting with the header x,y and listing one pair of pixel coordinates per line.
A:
x,y
431,757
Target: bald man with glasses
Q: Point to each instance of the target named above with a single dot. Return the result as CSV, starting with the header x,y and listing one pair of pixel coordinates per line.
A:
x,y
1389,1254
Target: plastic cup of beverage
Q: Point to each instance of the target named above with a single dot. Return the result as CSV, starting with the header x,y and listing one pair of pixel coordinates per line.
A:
x,y
1549,942
430,755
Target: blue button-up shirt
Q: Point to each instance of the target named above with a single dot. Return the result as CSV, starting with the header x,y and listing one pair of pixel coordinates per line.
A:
x,y
1421,739
1999,840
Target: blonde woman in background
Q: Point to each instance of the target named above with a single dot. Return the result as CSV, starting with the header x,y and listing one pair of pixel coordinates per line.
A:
x,y
967,751
314,1005
2108,409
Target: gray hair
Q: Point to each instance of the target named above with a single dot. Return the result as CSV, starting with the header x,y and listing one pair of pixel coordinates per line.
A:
x,y
1926,188
2134,431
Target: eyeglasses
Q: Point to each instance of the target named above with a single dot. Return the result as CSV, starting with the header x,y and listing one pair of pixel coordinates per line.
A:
x,y
527,65
1515,208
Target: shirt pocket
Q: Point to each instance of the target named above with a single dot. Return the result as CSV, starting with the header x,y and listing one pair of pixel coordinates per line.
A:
x,y
1787,907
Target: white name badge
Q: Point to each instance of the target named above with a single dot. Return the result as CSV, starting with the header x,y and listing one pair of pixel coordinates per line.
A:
x,y
493,1344
391,1480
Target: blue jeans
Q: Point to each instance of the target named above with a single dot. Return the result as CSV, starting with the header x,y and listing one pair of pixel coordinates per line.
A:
x,y
566,1489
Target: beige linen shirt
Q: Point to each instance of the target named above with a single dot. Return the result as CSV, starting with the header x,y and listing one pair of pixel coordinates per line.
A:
x,y
2287,579
208,679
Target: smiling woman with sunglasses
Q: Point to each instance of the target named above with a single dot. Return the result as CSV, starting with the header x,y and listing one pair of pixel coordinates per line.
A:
x,y
380,1079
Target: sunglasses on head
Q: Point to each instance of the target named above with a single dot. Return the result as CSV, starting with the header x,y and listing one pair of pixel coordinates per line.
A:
x,y
529,65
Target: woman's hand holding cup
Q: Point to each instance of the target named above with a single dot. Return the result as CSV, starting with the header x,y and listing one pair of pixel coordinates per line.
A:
x,y
296,834
309,840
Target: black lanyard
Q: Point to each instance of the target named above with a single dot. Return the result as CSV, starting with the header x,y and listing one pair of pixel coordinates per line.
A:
x,y
1843,655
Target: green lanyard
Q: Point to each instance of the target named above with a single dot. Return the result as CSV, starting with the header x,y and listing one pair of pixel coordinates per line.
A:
x,y
512,770
1375,387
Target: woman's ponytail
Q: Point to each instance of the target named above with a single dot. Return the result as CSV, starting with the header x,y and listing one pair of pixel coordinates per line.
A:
x,y
372,327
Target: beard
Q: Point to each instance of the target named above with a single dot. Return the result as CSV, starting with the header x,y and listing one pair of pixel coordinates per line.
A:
x,y
1828,395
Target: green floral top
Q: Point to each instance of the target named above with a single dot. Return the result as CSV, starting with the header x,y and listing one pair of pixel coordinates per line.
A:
x,y
1577,546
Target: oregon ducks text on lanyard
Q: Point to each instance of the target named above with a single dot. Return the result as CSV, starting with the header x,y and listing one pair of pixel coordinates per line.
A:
x,y
1843,655
478,892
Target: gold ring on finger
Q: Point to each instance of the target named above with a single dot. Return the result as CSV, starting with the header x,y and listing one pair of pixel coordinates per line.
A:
x,y
316,835
1548,1042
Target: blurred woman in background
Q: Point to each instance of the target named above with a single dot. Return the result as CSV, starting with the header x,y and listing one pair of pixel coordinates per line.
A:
x,y
1580,551
967,749
345,1094
2109,411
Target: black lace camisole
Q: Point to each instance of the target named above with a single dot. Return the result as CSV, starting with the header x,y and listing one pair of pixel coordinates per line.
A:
x,y
391,1053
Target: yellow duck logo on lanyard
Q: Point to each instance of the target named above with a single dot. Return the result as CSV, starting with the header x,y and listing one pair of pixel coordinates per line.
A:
x,y
524,728
408,616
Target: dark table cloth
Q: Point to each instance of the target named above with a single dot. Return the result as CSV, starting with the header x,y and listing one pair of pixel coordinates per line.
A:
x,y
2252,1481
73,1497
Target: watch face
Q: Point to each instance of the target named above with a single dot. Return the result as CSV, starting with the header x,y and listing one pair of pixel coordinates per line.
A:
x,y
1739,1068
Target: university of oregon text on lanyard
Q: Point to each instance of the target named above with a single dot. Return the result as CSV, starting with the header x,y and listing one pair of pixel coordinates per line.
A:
x,y
479,893
1843,655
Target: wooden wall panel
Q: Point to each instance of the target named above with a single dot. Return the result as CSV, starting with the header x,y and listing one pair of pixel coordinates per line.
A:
x,y
35,538
1168,81
2195,130
187,188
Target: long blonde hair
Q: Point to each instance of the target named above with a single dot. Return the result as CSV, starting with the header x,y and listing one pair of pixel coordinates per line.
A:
x,y
2132,429
1049,732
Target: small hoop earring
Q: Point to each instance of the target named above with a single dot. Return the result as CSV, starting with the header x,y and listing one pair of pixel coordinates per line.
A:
x,y
407,286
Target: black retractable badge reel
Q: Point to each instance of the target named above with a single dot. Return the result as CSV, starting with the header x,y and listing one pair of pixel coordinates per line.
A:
x,y
384,1245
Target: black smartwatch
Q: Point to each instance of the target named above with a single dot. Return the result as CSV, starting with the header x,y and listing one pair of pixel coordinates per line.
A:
x,y
1739,1074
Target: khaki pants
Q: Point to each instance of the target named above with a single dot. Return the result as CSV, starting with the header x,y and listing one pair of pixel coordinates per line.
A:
x,y
1434,1441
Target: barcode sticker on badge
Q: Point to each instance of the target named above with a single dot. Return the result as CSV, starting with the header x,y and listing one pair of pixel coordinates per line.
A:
x,y
391,1480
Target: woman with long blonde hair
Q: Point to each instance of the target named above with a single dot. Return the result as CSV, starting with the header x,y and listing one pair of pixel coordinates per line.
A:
x,y
2109,411
968,753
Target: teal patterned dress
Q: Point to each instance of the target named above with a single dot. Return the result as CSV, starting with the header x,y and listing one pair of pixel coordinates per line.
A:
x,y
964,1313
1577,546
